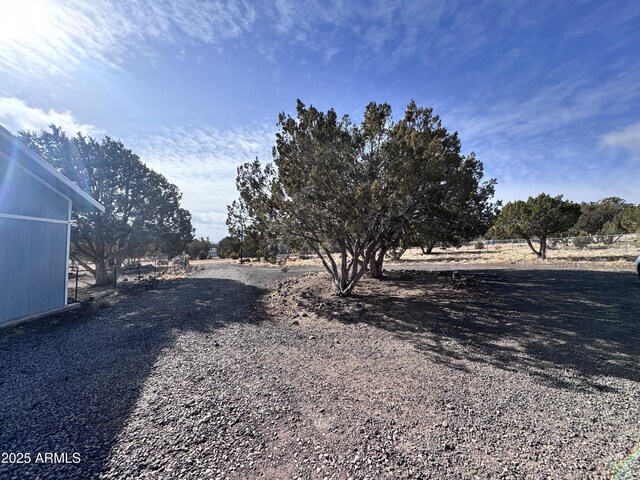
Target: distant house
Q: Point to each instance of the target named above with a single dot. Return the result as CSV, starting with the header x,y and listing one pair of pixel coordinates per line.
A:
x,y
213,252
36,202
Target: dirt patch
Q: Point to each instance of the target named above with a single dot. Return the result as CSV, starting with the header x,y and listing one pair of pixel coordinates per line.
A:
x,y
482,374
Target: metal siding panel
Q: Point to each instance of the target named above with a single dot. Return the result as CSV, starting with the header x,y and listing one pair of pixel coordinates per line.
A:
x,y
32,267
21,194
13,286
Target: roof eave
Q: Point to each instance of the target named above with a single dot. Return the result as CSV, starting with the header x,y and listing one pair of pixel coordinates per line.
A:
x,y
81,200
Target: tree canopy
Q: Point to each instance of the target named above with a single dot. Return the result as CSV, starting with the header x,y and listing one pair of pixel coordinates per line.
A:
x,y
536,220
199,248
630,219
352,192
254,238
602,217
142,209
229,246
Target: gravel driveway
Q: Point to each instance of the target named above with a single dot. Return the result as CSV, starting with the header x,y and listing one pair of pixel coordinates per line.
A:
x,y
75,384
190,379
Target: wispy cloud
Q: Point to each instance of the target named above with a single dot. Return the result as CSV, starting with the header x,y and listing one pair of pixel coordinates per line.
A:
x,y
16,115
202,161
45,37
204,151
39,38
547,113
212,223
382,33
628,139
547,139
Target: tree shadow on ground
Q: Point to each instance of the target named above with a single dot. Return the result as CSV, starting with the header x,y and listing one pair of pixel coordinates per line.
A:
x,y
567,328
69,383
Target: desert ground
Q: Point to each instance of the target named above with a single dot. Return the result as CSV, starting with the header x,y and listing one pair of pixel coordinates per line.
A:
x,y
617,256
497,371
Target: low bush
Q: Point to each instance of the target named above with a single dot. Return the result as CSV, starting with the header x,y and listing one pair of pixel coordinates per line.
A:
x,y
582,242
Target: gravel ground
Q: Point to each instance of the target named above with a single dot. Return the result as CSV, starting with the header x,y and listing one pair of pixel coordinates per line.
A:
x,y
497,374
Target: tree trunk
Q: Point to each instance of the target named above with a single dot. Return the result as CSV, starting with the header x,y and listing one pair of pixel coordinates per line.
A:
x,y
426,250
344,268
397,254
345,273
375,264
533,249
102,274
358,271
543,248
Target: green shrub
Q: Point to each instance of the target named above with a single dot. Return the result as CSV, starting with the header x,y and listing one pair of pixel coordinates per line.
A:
x,y
582,242
227,246
479,245
199,248
233,256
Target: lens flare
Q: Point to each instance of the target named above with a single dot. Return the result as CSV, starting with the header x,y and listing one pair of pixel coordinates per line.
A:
x,y
629,467
25,22
7,168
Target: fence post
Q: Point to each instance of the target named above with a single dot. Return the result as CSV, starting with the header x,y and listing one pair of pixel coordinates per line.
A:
x,y
115,276
77,274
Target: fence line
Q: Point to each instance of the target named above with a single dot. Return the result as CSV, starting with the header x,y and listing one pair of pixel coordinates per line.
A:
x,y
626,241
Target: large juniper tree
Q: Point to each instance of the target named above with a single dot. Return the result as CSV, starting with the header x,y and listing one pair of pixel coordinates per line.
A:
x,y
351,193
430,187
142,209
536,220
317,192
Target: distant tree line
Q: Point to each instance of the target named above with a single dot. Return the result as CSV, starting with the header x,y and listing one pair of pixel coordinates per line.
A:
x,y
199,248
237,247
539,218
142,209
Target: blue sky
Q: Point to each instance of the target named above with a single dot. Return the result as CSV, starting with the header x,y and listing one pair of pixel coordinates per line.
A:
x,y
546,93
